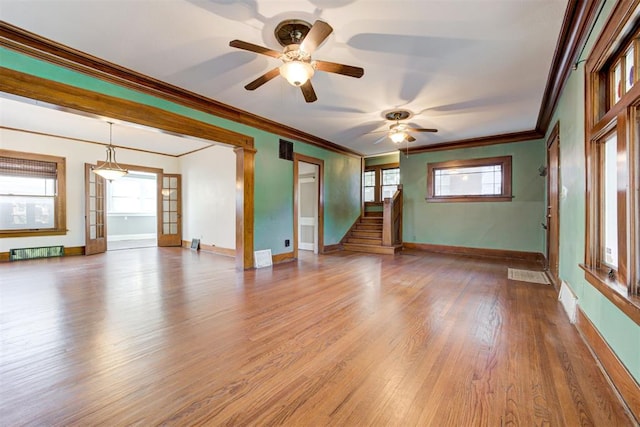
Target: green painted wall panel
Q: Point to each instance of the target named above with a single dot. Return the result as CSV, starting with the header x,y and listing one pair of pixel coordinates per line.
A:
x,y
511,225
383,160
620,332
273,222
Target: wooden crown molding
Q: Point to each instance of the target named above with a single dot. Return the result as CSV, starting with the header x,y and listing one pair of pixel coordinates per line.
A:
x,y
578,20
478,142
39,47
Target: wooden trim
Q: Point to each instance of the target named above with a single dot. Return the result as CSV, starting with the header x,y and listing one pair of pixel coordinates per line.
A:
x,y
320,163
332,248
578,19
506,195
218,250
534,257
482,141
25,42
78,99
614,292
285,257
245,183
613,368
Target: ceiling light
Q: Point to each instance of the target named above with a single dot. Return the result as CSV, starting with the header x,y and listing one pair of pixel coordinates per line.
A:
x,y
398,135
296,72
110,169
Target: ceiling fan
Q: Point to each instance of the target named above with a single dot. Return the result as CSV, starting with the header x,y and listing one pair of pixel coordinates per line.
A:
x,y
399,132
300,39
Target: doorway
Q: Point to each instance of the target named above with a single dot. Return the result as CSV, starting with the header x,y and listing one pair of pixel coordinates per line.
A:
x,y
308,204
132,211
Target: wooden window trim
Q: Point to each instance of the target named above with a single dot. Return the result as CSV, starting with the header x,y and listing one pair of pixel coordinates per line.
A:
x,y
506,195
603,116
60,226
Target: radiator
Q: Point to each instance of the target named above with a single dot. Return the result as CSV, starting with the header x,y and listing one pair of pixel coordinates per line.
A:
x,y
568,300
33,253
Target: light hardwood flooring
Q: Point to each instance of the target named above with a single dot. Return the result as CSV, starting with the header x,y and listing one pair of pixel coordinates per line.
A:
x,y
170,336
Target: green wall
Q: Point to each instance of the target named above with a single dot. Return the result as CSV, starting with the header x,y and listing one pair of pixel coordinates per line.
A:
x,y
382,160
514,225
621,333
273,222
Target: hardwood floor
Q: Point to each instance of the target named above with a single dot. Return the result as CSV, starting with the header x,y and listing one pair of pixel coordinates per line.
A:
x,y
175,337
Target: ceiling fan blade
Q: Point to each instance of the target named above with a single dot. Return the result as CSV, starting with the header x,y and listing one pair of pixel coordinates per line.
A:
x,y
379,140
262,79
332,67
308,92
410,138
316,35
254,48
421,130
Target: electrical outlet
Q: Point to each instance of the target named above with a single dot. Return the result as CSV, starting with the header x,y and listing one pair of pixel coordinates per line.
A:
x,y
287,243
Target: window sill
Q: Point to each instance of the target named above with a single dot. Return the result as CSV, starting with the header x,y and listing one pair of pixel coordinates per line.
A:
x,y
614,292
29,233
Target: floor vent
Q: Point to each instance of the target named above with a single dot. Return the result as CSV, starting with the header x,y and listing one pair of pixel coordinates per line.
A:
x,y
569,301
33,253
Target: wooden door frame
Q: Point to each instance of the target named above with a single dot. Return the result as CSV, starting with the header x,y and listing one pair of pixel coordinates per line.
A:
x,y
100,105
320,163
554,137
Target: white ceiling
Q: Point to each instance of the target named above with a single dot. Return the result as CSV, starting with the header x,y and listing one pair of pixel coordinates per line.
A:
x,y
468,68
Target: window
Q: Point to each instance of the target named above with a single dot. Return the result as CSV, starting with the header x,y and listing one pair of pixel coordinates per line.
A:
x,y
390,181
612,260
370,186
133,193
380,182
32,189
475,180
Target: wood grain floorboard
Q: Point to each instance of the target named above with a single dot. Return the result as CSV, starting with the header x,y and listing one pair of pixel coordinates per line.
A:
x,y
168,336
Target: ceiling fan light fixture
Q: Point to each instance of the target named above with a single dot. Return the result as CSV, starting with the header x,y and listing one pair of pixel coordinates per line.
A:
x,y
110,169
297,73
398,135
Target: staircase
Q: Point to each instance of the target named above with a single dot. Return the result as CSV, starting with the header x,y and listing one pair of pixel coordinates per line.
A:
x,y
366,236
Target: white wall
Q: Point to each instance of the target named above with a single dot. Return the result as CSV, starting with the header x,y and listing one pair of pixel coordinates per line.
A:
x,y
209,196
76,154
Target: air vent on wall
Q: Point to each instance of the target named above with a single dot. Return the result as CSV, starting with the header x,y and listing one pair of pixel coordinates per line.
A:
x,y
286,150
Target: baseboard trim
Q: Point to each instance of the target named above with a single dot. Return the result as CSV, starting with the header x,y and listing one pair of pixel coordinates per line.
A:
x,y
218,250
332,248
619,376
478,252
280,258
68,251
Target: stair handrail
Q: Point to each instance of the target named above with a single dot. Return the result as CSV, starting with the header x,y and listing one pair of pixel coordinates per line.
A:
x,y
392,219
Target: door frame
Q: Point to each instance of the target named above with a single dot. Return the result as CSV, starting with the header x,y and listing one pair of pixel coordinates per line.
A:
x,y
320,180
553,203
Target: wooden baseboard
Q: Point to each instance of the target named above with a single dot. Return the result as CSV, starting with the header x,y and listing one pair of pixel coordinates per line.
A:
x,y
479,252
619,376
332,248
212,248
68,251
280,258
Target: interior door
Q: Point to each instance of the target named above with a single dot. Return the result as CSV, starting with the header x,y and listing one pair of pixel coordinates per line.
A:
x,y
170,211
553,219
94,212
308,213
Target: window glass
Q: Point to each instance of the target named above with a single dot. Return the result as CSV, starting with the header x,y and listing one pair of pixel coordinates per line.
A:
x,y
470,181
133,193
629,68
390,181
610,211
617,82
369,186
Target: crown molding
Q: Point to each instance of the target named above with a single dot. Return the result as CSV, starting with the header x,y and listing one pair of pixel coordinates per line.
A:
x,y
578,19
25,42
504,138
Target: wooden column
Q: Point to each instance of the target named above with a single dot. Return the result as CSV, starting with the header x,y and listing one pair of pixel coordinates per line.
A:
x,y
245,169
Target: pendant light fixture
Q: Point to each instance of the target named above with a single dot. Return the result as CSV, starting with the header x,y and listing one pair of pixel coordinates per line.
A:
x,y
110,169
